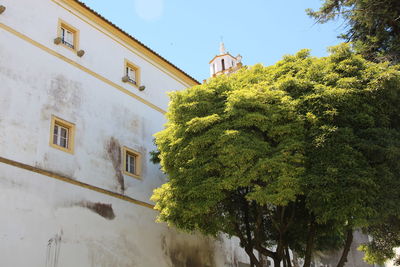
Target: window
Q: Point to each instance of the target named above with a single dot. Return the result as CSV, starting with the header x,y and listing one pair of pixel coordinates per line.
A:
x,y
131,73
131,163
68,35
223,64
62,134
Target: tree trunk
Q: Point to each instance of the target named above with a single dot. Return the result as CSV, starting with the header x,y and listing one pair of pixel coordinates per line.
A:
x,y
267,253
253,259
289,262
277,262
346,249
310,244
256,264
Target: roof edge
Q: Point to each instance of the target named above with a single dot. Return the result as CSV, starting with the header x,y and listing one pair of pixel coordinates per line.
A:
x,y
226,54
132,41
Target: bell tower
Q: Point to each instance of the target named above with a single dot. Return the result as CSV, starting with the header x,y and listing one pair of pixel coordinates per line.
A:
x,y
224,63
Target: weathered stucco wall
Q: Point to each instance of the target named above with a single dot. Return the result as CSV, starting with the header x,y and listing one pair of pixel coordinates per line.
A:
x,y
47,222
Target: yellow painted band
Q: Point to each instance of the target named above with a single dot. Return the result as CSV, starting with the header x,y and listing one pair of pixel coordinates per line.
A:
x,y
95,21
74,182
79,66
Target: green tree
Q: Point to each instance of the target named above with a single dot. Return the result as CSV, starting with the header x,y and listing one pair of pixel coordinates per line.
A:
x,y
354,151
373,26
233,154
385,237
284,157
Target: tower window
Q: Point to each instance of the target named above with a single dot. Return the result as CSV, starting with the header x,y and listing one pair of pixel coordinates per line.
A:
x,y
223,64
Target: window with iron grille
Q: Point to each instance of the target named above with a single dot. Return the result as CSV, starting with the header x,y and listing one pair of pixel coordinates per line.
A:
x,y
131,74
67,37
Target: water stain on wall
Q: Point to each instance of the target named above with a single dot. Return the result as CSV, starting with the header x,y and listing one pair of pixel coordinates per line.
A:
x,y
144,160
48,165
135,124
53,250
64,97
104,210
113,149
183,253
66,93
11,74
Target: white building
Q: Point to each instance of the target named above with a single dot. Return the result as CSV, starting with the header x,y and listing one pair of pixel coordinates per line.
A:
x,y
224,63
80,101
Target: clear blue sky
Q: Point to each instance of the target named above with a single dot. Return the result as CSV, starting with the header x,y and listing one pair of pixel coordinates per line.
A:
x,y
188,32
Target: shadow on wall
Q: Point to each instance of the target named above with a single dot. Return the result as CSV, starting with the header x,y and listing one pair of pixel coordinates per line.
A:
x,y
188,252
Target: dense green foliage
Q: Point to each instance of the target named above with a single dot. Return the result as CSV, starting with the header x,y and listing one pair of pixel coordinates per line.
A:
x,y
295,155
372,25
385,236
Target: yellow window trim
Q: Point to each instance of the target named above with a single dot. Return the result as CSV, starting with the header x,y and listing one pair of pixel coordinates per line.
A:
x,y
81,67
71,134
138,163
128,63
120,37
75,32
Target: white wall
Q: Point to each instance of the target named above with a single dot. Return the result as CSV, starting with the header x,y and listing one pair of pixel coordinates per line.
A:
x,y
43,218
217,62
45,222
